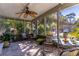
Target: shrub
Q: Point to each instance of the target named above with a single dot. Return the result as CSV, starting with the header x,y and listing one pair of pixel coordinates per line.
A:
x,y
40,41
6,37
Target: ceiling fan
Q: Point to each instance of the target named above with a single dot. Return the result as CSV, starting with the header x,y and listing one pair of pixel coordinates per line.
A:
x,y
26,12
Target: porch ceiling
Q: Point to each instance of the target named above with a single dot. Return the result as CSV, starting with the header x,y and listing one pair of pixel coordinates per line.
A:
x,y
10,9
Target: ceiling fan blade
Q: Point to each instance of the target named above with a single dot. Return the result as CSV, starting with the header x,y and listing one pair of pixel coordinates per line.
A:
x,y
32,15
32,12
19,15
20,12
25,15
35,13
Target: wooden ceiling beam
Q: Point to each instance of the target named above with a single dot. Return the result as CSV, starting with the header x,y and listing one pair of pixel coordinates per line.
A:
x,y
5,17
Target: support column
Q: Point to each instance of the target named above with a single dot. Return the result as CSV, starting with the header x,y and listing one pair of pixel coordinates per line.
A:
x,y
45,25
36,24
58,21
23,22
31,27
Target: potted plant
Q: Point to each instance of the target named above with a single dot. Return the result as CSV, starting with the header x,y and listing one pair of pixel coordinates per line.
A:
x,y
6,39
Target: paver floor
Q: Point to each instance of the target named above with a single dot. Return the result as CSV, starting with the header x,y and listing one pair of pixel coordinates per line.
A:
x,y
27,48
24,48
